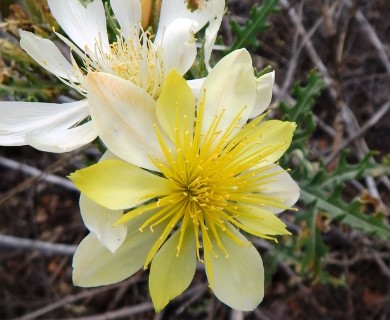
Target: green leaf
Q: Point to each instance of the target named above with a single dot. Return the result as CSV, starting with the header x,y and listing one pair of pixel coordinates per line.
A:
x,y
246,35
350,214
305,97
301,111
347,172
310,241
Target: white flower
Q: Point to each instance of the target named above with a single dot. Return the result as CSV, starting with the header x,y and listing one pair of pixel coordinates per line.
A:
x,y
134,56
209,173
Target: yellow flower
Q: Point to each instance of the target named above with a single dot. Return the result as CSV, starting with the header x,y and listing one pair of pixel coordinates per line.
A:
x,y
189,173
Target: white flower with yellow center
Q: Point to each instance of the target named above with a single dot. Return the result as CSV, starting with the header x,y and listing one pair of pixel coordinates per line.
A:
x,y
135,56
183,175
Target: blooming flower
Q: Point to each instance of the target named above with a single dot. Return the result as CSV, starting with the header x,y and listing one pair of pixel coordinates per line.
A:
x,y
183,175
135,56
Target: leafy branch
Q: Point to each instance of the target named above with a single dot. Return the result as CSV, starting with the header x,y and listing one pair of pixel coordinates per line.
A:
x,y
246,34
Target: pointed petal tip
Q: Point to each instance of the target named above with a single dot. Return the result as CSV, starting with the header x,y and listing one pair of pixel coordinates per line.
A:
x,y
73,176
174,74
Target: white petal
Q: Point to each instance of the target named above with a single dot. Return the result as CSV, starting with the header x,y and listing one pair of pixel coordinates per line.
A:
x,y
19,118
128,14
179,47
216,9
196,85
86,26
281,187
170,10
230,89
62,140
171,274
175,9
100,220
264,85
94,265
46,53
124,115
12,139
238,280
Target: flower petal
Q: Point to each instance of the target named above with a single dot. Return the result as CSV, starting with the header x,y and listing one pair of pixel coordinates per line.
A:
x,y
116,184
196,85
20,118
261,221
172,273
12,139
124,116
175,9
100,220
229,88
46,53
62,140
94,265
128,14
178,46
281,187
274,133
86,26
237,280
216,9
266,141
176,104
264,85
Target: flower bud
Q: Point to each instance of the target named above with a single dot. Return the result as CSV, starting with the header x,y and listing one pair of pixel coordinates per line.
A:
x,y
150,12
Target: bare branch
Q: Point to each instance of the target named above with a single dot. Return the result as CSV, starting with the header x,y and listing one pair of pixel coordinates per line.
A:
x,y
46,248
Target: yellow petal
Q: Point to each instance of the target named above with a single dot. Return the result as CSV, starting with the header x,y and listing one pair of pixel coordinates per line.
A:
x,y
116,184
176,106
171,274
266,142
261,221
237,280
94,265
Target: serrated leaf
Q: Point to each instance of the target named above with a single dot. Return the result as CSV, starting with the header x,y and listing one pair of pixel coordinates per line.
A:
x,y
346,172
246,34
301,111
310,241
350,214
305,97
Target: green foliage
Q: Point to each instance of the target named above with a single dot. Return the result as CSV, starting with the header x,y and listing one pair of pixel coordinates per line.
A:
x,y
246,34
301,111
326,190
323,193
310,243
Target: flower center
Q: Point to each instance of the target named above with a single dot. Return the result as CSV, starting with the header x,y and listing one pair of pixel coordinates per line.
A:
x,y
138,60
214,179
135,58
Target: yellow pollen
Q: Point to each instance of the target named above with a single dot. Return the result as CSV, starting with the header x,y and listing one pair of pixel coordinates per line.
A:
x,y
135,58
213,176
